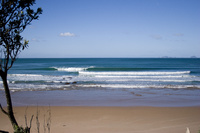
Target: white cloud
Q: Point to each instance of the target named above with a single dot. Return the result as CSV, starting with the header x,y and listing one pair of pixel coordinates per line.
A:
x,y
67,34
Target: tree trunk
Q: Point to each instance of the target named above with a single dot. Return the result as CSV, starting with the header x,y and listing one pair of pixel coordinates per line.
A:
x,y
9,102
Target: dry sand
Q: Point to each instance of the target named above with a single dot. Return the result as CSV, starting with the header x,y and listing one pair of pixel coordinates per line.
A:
x,y
111,119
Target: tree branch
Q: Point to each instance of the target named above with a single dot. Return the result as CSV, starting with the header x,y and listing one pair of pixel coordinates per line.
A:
x,y
15,9
3,110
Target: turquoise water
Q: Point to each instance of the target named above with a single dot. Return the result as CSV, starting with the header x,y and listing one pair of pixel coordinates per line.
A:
x,y
105,82
114,73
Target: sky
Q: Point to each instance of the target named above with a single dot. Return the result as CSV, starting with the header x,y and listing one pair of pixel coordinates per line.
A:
x,y
114,28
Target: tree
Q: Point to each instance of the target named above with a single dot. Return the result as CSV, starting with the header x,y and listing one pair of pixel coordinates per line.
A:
x,y
15,15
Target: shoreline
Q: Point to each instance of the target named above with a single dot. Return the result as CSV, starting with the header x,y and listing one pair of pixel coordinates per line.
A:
x,y
106,111
84,119
105,97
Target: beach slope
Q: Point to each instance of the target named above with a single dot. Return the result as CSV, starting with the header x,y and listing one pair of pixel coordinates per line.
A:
x,y
110,119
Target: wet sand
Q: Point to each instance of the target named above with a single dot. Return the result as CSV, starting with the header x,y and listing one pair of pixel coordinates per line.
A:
x,y
105,97
107,111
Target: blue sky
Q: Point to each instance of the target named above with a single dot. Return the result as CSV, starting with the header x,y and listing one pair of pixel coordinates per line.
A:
x,y
115,28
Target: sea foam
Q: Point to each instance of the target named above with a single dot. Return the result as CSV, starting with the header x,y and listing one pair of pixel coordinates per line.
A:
x,y
134,73
71,69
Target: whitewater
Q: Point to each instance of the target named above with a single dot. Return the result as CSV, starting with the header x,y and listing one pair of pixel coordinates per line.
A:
x,y
122,81
109,73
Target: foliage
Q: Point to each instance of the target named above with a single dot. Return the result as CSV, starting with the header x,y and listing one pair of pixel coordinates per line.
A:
x,y
22,130
15,16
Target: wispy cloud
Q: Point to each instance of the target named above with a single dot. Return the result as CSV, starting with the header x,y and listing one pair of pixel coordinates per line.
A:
x,y
178,34
157,37
31,27
35,40
67,34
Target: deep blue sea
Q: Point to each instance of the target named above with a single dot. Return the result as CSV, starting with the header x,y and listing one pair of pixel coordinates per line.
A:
x,y
114,73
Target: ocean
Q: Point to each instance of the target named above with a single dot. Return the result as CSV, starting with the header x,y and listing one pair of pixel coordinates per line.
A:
x,y
117,73
145,77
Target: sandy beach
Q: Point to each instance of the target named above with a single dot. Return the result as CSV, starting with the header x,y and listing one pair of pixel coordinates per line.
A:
x,y
110,119
108,95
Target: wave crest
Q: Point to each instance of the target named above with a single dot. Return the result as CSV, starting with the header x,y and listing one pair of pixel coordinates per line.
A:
x,y
71,69
135,73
